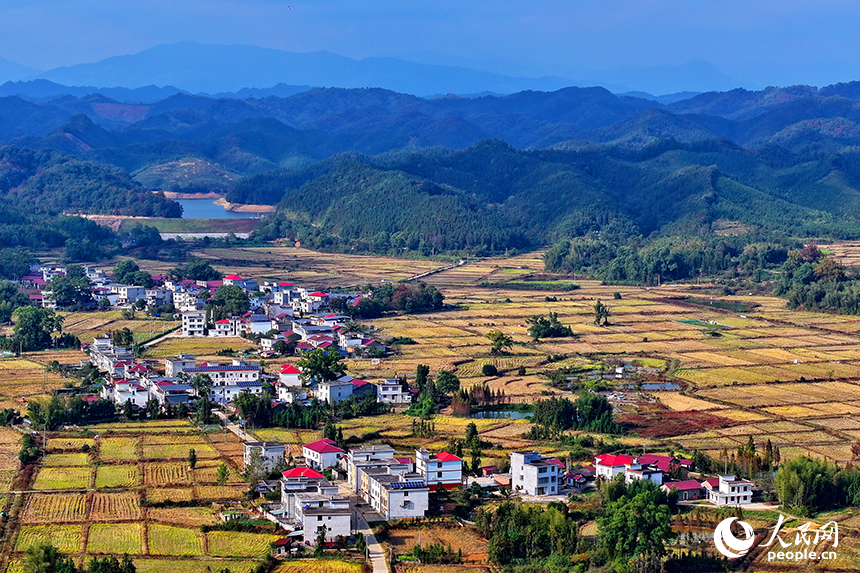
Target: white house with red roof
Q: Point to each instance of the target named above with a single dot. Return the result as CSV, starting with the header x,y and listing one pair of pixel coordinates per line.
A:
x,y
234,280
228,327
607,466
442,470
322,454
289,375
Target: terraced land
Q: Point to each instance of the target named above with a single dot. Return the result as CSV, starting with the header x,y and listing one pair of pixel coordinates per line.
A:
x,y
93,503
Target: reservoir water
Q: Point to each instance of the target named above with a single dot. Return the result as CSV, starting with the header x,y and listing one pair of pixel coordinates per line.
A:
x,y
208,209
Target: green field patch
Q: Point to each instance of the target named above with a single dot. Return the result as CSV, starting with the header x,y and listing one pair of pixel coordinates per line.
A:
x,y
115,538
55,444
238,544
126,475
165,225
171,540
66,538
193,565
118,449
177,451
79,459
63,478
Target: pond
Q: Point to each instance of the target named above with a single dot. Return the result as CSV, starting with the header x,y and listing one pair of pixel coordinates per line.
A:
x,y
513,414
208,209
652,386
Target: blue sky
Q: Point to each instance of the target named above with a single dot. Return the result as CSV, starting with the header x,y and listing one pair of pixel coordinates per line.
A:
x,y
765,41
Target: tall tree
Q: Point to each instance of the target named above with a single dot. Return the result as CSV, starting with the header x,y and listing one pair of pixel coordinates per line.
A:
x,y
34,327
321,365
500,341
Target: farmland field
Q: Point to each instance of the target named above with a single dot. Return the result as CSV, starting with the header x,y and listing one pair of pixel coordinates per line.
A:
x,y
115,538
171,540
318,566
115,506
55,508
67,460
111,448
193,565
24,378
66,538
165,473
126,475
460,539
63,478
238,544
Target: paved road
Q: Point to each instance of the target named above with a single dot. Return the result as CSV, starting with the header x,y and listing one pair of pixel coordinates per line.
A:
x,y
235,428
375,550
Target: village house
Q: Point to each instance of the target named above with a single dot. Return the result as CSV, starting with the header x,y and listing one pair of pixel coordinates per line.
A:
x,y
289,375
392,392
194,323
322,454
178,363
313,504
271,454
728,490
688,490
441,470
120,391
333,392
532,474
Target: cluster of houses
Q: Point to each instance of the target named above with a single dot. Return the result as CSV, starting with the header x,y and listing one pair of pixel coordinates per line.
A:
x,y
395,487
721,490
129,380
279,309
285,313
398,487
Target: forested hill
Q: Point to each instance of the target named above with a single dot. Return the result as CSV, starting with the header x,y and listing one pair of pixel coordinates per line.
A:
x,y
48,182
491,197
372,169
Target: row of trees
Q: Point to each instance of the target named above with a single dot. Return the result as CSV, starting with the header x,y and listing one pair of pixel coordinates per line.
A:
x,y
590,411
406,297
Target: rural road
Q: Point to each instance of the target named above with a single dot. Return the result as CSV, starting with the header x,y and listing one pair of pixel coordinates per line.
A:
x,y
374,548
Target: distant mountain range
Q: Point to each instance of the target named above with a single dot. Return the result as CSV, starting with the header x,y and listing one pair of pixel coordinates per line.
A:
x,y
217,69
374,169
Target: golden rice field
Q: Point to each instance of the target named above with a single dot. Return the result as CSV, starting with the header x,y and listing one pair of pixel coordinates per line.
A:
x,y
166,473
10,443
145,565
199,347
55,508
185,516
88,325
118,449
115,506
22,378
